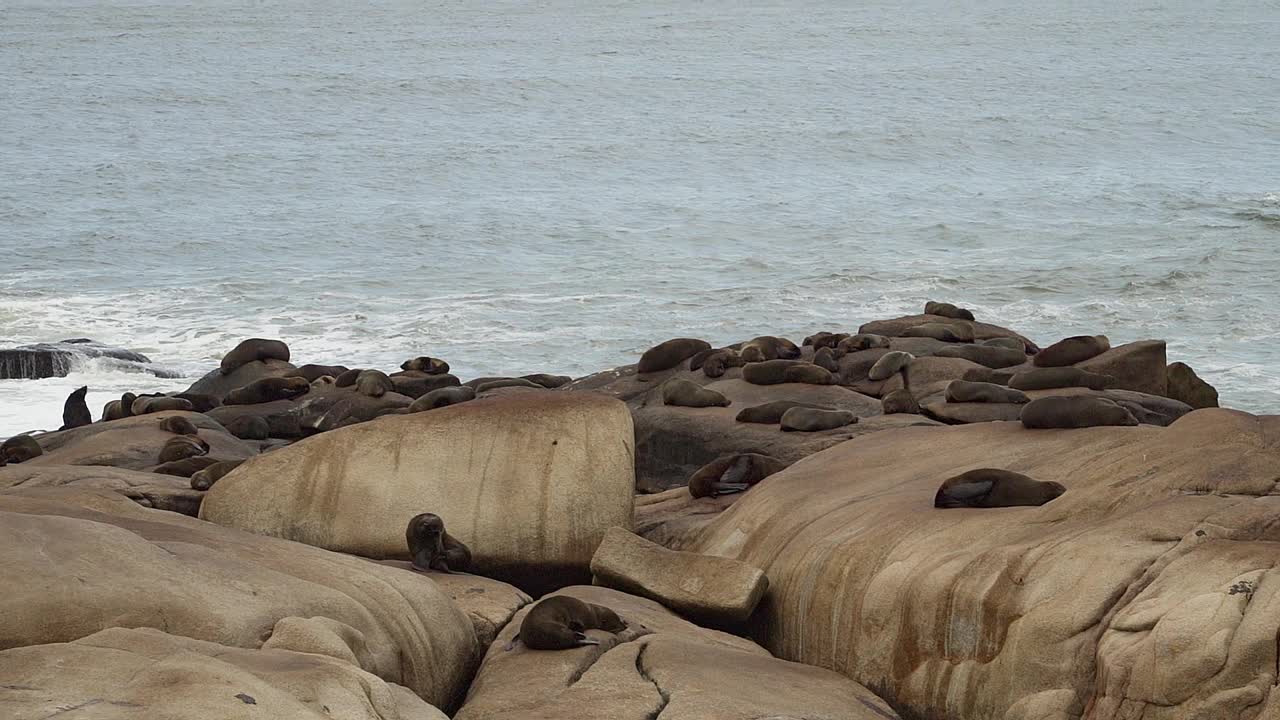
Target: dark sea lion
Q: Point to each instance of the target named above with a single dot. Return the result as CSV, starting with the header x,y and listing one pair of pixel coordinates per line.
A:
x,y
988,375
347,378
560,622
181,447
1005,342
770,413
686,393
768,347
899,401
200,403
719,361
434,549
992,357
863,341
442,397
75,411
314,372
253,349
374,383
322,381
825,340
185,467
946,332
669,354
825,358
947,310
204,479
1072,350
249,427
774,372
1059,377
424,364
20,448
268,390
813,420
992,488
963,391
111,411
178,425
126,404
548,381
508,382
889,365
1075,411
732,473
147,404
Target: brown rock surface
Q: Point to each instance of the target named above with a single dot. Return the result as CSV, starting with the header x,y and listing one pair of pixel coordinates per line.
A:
x,y
162,492
1136,366
218,385
1184,385
133,443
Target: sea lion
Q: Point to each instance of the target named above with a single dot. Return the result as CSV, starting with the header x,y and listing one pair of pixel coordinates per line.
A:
x,y
988,375
424,364
774,372
147,404
178,425
732,473
719,361
508,382
963,391
1005,342
204,479
313,372
1075,411
946,332
825,358
347,378
1072,350
686,393
20,448
185,467
111,411
75,411
768,347
669,354
434,549
863,341
947,310
374,383
813,420
899,401
992,488
126,404
442,397
770,413
548,381
560,622
200,403
253,349
249,427
1059,377
825,340
322,381
890,364
992,357
268,390
181,447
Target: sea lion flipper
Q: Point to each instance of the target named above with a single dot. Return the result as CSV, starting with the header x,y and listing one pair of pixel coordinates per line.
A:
x,y
512,645
966,491
583,640
729,488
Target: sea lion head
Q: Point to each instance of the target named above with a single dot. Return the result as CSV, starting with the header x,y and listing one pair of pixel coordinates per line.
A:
x,y
425,536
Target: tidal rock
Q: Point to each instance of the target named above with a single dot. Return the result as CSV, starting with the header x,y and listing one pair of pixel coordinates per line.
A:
x,y
1138,366
217,385
162,492
1185,386
46,360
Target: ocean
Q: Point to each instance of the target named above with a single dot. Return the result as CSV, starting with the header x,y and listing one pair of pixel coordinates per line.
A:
x,y
555,186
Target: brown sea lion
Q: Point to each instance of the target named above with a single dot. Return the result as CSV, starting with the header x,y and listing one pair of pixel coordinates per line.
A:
x,y
181,447
374,383
434,549
347,378
813,420
178,425
75,411
424,364
1072,350
268,390
988,375
669,354
825,340
946,332
147,404
204,479
442,397
20,448
1075,411
1005,342
185,467
560,622
825,358
111,411
770,413
686,393
732,473
890,364
775,372
863,341
719,361
508,382
253,349
962,391
768,347
947,310
200,403
992,357
249,427
314,372
1059,377
899,401
548,381
126,404
992,488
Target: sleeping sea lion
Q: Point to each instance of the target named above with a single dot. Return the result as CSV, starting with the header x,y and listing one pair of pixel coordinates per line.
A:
x,y
185,467
669,354
899,401
889,364
75,411
988,375
716,363
863,341
732,473
181,447
770,413
178,425
992,488
200,403
253,349
963,391
249,427
775,372
111,411
1059,377
508,382
813,420
946,332
560,622
1072,350
1075,411
374,383
686,393
268,390
947,310
147,404
825,340
768,347
347,378
442,397
20,448
825,358
204,479
424,364
992,357
434,549
313,372
1005,342
548,381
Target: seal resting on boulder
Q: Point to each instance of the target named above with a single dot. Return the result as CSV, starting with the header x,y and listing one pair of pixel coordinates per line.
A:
x,y
434,549
1075,411
669,354
992,488
770,413
1072,350
253,349
947,310
732,473
812,420
560,622
686,393
20,448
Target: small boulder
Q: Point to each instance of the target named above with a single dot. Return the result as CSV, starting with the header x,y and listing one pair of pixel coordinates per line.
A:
x,y
1184,385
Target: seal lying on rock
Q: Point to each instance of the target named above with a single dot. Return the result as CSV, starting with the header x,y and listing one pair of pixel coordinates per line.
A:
x,y
718,361
20,448
434,549
560,622
374,383
824,340
253,349
178,425
314,372
200,402
732,473
547,380
946,332
443,397
1059,377
147,404
899,401
1005,342
204,479
775,372
268,390
825,358
686,393
812,420
770,413
508,382
669,354
1072,350
768,347
424,364
992,357
75,411
863,341
249,427
181,447
1075,411
889,364
963,391
185,467
991,488
348,378
947,310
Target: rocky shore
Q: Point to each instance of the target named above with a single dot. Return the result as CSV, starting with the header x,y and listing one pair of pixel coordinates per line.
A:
x,y
768,520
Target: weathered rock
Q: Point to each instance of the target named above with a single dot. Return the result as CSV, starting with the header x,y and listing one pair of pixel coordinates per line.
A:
x,y
133,443
1136,366
1185,386
697,586
529,483
46,360
283,417
674,517
489,603
162,492
623,383
218,385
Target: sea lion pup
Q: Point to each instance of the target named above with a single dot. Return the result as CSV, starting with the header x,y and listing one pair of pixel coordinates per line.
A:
x,y
770,413
249,427
374,383
1059,377
719,361
947,310
1072,350
201,403
204,479
314,372
775,372
424,364
253,349
181,447
899,401
802,419
862,341
547,381
20,448
1005,342
147,404
686,393
732,473
347,378
75,411
185,467
178,425
268,390
946,332
442,397
992,488
768,347
825,358
963,391
1075,411
560,622
669,354
889,364
434,549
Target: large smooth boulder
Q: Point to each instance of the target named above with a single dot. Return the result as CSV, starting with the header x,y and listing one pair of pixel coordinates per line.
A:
x,y
147,673
1138,366
529,482
674,518
218,385
115,564
1184,385
677,671
133,443
1147,590
489,603
163,492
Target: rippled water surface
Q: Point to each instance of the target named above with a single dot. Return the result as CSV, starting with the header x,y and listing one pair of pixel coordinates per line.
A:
x,y
553,186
